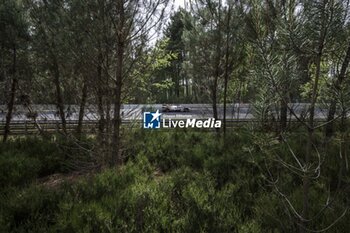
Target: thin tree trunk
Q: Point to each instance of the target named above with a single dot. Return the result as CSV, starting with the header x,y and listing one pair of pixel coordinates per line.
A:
x,y
12,95
82,108
304,64
338,83
214,88
59,97
226,77
177,90
116,158
2,75
187,88
284,101
310,143
284,115
306,179
225,101
108,111
106,88
214,96
100,93
217,66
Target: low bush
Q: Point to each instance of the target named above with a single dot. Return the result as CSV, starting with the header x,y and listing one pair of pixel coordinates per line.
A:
x,y
31,209
17,168
171,182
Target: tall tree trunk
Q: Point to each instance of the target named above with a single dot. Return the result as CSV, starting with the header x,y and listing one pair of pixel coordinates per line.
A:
x,y
217,65
12,95
108,111
214,99
337,86
310,143
82,108
116,158
284,114
59,97
284,100
2,76
177,86
226,75
225,100
104,51
187,88
100,94
215,88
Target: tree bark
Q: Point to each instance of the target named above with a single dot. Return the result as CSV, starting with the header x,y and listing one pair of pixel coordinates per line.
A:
x,y
214,96
310,143
12,95
59,97
116,158
100,93
337,86
284,115
2,75
82,108
177,90
109,101
217,65
226,75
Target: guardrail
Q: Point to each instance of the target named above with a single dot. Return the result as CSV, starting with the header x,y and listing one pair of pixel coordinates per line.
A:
x,y
28,127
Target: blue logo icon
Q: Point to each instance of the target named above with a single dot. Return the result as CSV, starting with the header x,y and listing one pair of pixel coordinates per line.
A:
x,y
151,120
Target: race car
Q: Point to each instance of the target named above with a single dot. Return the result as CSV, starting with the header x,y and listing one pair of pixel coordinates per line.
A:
x,y
174,108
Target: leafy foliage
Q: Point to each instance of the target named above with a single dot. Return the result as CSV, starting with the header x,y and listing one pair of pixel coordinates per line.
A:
x,y
196,183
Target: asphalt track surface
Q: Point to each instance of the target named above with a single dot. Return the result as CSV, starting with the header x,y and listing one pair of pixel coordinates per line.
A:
x,y
132,115
135,112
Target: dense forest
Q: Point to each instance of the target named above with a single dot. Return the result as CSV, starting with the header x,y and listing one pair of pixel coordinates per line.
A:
x,y
283,170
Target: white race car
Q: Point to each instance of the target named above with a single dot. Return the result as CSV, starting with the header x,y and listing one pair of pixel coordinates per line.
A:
x,y
174,108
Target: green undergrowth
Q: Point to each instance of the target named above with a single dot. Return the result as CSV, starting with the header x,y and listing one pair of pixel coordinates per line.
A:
x,y
23,160
173,181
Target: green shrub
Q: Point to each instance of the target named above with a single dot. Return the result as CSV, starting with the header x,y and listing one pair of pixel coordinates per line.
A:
x,y
16,169
175,181
44,151
29,210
